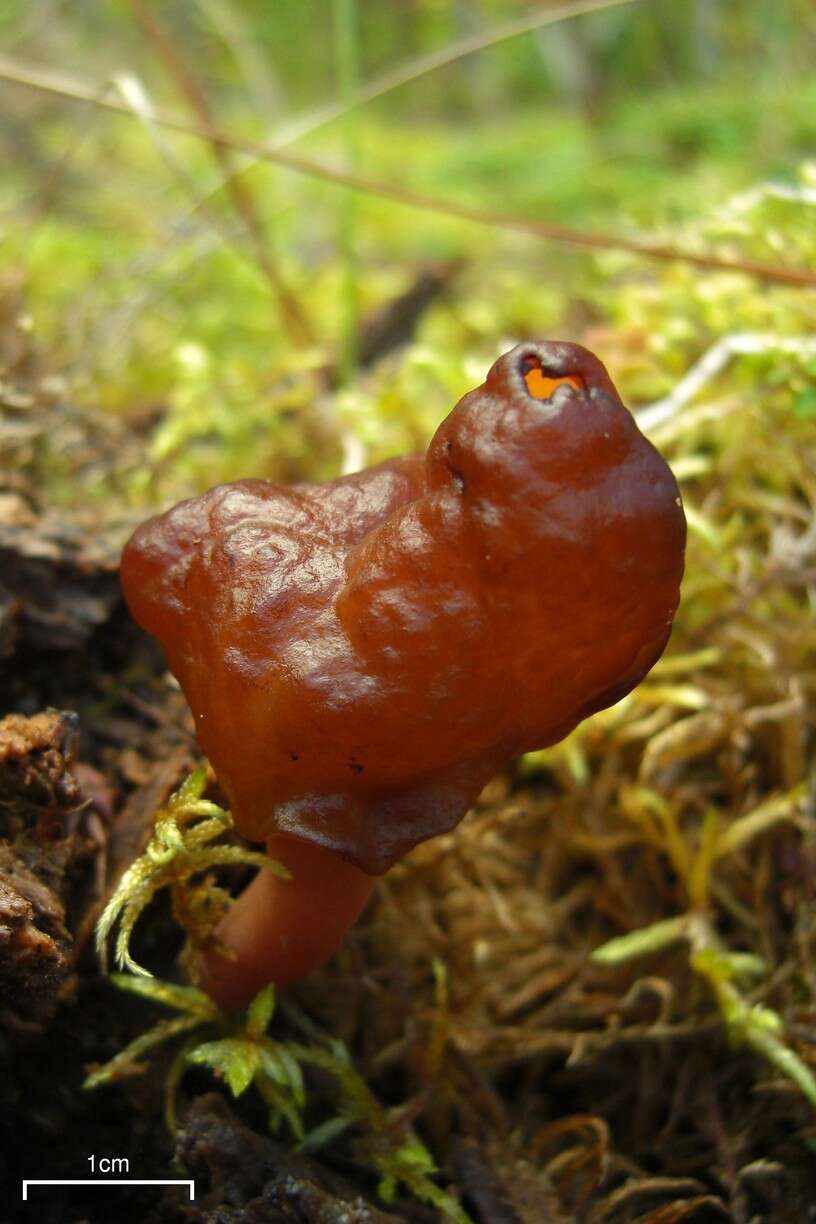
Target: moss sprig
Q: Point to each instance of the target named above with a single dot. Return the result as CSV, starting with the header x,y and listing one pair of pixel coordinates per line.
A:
x,y
747,1023
178,850
239,1050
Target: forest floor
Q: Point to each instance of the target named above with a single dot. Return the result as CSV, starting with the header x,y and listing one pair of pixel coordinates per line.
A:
x,y
548,1086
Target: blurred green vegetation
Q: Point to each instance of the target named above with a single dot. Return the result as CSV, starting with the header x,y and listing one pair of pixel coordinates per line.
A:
x,y
144,291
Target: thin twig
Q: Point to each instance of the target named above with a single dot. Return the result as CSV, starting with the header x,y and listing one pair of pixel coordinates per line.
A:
x,y
347,61
713,362
233,27
57,83
135,94
414,69
451,53
242,198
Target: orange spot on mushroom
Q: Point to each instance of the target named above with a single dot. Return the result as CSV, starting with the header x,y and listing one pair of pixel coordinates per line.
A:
x,y
541,386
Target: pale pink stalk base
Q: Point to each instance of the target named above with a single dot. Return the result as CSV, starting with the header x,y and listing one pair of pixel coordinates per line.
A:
x,y
280,930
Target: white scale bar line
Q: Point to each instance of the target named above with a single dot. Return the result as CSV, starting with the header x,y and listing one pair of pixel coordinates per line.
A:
x,y
109,1181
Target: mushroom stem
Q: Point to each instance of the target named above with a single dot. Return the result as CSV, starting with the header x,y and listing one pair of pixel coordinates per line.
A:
x,y
279,930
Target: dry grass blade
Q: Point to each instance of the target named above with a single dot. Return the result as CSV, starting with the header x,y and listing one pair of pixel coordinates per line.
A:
x,y
135,94
774,809
676,1213
452,53
713,362
381,86
291,311
233,26
67,87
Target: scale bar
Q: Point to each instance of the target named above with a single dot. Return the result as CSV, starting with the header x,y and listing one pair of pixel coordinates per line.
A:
x,y
109,1181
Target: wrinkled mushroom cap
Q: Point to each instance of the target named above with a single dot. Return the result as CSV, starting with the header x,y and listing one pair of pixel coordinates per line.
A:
x,y
362,655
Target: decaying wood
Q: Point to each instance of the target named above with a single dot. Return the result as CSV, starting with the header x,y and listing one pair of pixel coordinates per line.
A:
x,y
58,578
260,1179
34,940
38,798
36,759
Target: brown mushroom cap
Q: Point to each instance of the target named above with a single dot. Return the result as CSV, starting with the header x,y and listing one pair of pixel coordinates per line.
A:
x,y
362,655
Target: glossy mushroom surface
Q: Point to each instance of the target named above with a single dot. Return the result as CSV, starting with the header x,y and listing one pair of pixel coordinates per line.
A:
x,y
361,656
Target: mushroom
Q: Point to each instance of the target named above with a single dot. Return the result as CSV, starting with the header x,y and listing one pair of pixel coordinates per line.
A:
x,y
362,656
